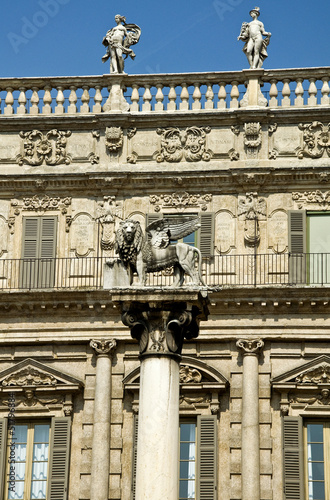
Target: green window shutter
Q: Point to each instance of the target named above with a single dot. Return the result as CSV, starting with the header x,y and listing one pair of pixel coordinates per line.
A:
x,y
59,459
293,458
207,457
3,442
206,234
134,455
297,246
39,242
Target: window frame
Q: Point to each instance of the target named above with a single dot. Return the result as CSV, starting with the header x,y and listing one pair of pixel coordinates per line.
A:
x,y
326,454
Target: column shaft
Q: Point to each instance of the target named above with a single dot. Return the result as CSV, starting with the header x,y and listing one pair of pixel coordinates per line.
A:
x,y
101,430
158,429
250,429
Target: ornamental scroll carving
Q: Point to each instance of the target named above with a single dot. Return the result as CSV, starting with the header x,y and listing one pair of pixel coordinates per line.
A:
x,y
43,203
180,201
316,138
114,138
189,375
189,145
249,347
48,148
312,197
252,138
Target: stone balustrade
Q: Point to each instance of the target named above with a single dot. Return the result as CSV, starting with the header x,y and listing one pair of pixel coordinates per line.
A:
x,y
187,92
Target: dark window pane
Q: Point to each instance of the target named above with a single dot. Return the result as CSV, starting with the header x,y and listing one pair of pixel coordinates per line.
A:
x,y
187,451
315,452
187,432
316,491
315,433
317,470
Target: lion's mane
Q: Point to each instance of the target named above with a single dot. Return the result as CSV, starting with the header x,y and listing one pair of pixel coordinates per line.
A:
x,y
128,250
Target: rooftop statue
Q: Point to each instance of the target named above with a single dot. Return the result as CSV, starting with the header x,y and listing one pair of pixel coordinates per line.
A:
x,y
255,45
118,41
154,252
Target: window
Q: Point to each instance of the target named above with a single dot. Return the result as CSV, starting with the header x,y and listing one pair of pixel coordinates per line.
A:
x,y
317,460
198,457
38,252
309,246
39,455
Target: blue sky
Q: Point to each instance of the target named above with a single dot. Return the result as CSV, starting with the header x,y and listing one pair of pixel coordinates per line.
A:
x,y
63,37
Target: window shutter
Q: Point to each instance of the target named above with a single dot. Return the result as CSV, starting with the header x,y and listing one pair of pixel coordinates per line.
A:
x,y
3,442
207,457
59,459
48,238
134,458
206,234
293,458
30,238
297,246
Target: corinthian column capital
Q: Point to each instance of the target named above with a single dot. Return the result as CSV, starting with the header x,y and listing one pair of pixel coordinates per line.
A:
x,y
250,347
103,347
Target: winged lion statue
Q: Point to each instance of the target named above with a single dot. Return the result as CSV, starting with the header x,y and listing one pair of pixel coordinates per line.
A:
x,y
156,250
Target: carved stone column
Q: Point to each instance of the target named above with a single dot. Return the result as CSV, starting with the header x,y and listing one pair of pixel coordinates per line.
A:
x,y
101,427
160,331
250,419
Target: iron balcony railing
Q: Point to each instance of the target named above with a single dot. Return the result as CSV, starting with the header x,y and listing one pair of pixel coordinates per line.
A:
x,y
311,269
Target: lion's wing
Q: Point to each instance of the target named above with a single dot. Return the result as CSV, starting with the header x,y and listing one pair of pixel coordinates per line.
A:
x,y
163,231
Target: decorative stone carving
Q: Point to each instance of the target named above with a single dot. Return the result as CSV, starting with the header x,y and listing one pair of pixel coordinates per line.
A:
x,y
154,252
318,375
42,203
252,138
189,145
189,375
316,138
132,158
48,148
103,346
233,154
82,234
29,377
180,201
131,132
225,236
312,197
108,209
161,332
114,138
277,228
118,41
322,399
250,346
252,209
255,47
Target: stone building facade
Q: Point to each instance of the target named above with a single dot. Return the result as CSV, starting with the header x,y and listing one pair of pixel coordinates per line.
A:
x,y
78,155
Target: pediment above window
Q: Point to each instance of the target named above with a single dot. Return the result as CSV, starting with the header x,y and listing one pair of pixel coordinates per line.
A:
x,y
306,388
35,386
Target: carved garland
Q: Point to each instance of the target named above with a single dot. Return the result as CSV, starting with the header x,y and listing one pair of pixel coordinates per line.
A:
x,y
313,197
114,138
180,201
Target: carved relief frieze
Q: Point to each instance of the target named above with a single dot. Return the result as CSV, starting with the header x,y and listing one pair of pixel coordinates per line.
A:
x,y
322,199
180,201
316,140
44,148
29,376
188,145
317,375
114,139
252,138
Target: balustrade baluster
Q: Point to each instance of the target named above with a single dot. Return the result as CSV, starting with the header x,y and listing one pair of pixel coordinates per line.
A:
x,y
209,95
197,98
273,93
299,100
146,106
159,106
21,110
9,100
234,94
135,98
325,100
286,93
172,98
72,108
47,107
222,95
34,110
59,110
85,100
184,96
97,108
312,100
